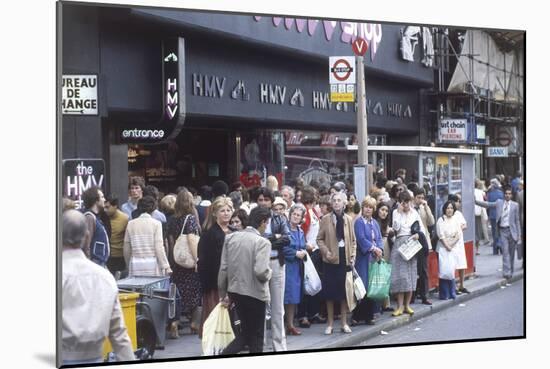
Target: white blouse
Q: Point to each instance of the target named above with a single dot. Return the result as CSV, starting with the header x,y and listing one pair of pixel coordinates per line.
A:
x,y
402,222
448,228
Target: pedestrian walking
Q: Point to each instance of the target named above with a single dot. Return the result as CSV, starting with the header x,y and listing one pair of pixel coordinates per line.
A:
x,y
187,280
119,222
143,248
96,243
135,192
509,229
493,194
243,279
337,243
210,252
91,309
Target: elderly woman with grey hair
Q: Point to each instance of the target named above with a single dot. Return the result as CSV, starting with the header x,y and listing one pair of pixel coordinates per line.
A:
x,y
336,240
294,256
288,194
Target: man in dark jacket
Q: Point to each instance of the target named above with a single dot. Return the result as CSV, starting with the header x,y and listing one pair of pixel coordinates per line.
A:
x,y
278,233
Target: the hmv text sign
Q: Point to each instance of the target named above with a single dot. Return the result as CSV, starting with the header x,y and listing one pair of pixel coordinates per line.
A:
x,y
79,94
81,174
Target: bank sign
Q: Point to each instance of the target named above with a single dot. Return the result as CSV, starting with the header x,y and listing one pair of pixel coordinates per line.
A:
x,y
81,174
79,94
453,130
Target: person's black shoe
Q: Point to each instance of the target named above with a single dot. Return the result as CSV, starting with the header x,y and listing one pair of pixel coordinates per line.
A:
x,y
464,290
426,302
371,322
304,323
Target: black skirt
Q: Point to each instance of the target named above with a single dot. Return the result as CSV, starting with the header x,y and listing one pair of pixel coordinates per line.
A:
x,y
334,279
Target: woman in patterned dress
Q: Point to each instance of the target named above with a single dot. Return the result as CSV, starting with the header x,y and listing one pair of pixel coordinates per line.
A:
x,y
186,280
403,273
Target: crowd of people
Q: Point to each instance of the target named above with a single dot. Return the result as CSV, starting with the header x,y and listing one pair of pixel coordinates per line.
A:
x,y
252,244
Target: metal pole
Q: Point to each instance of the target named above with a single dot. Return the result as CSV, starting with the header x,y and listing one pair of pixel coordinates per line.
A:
x,y
362,134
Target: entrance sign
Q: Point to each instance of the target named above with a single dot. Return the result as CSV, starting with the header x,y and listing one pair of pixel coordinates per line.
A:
x,y
79,94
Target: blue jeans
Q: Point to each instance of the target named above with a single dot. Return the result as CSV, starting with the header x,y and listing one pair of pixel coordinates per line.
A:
x,y
494,232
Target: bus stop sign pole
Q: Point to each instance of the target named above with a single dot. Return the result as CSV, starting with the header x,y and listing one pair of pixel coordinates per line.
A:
x,y
360,47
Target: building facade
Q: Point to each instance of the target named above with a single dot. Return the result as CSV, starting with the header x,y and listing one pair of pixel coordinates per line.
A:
x,y
188,97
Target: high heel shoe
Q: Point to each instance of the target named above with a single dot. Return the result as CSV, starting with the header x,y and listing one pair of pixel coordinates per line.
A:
x,y
408,310
397,312
328,330
174,330
346,329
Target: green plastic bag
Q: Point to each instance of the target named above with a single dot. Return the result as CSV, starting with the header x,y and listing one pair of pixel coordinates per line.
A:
x,y
379,280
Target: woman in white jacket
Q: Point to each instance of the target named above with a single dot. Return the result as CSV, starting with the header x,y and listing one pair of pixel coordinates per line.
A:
x,y
448,232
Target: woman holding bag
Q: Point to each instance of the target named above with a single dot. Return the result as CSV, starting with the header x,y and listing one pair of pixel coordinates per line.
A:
x,y
404,274
369,248
382,216
186,280
448,231
210,253
294,255
336,241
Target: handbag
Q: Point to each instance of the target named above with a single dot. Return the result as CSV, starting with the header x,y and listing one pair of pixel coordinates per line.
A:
x,y
379,280
185,248
409,248
358,286
447,264
312,282
217,332
350,294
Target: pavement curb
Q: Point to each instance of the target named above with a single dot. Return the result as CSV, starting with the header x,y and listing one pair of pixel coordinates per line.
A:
x,y
360,335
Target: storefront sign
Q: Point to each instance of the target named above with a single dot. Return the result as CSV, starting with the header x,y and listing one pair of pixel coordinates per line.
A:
x,y
350,30
81,174
453,130
497,152
79,94
294,138
329,139
173,89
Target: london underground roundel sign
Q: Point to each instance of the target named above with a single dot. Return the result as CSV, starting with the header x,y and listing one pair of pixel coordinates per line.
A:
x,y
342,69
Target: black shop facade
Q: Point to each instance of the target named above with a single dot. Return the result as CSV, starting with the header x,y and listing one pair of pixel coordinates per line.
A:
x,y
188,97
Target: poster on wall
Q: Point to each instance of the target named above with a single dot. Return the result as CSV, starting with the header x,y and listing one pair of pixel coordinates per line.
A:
x,y
81,174
453,130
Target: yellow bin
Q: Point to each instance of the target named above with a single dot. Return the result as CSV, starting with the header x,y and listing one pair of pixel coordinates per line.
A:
x,y
128,303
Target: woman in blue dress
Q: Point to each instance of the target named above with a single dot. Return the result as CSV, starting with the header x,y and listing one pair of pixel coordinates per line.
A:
x,y
294,255
369,248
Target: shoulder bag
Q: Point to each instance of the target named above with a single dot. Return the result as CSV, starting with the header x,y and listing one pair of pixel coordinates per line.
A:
x,y
185,248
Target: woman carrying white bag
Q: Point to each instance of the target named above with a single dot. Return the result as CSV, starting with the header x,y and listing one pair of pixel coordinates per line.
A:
x,y
448,232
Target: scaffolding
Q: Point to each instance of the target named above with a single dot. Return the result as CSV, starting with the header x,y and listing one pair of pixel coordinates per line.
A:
x,y
479,77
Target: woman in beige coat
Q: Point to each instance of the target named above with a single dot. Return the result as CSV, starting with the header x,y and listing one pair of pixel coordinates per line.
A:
x,y
143,243
336,240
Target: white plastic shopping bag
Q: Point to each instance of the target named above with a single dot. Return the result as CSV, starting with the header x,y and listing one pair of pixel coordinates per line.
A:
x,y
447,264
217,332
312,282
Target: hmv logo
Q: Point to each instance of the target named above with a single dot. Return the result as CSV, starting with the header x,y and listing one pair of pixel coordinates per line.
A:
x,y
171,104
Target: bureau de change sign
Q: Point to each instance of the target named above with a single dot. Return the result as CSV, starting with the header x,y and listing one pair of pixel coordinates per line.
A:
x,y
79,94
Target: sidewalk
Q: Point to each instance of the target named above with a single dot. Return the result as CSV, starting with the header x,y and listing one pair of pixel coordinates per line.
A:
x,y
488,277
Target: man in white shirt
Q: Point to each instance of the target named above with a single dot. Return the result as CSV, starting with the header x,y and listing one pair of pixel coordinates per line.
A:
x,y
509,229
90,307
